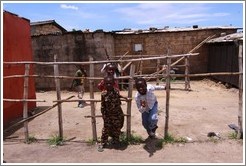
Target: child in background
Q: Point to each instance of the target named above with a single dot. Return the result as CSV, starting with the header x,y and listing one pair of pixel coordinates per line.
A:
x,y
78,84
147,104
112,113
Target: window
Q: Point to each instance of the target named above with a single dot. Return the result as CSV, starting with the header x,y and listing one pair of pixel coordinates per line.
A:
x,y
138,47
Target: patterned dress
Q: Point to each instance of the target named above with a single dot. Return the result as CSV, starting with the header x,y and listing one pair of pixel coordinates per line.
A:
x,y
113,116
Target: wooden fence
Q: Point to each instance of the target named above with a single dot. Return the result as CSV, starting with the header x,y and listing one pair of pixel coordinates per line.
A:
x,y
91,79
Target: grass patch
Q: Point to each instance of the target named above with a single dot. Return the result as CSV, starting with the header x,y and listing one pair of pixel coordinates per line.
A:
x,y
132,140
55,141
169,139
181,140
31,139
232,135
91,142
214,139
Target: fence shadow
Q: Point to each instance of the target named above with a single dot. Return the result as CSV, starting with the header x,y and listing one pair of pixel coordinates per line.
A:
x,y
18,124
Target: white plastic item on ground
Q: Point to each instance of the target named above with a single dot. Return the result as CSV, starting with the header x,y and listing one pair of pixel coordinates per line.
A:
x,y
159,87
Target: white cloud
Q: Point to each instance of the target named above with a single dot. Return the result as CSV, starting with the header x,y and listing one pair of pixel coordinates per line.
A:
x,y
221,14
64,6
166,13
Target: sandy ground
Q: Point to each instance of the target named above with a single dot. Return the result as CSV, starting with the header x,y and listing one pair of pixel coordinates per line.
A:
x,y
208,107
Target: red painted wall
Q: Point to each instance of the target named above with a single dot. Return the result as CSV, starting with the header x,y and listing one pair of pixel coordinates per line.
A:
x,y
16,47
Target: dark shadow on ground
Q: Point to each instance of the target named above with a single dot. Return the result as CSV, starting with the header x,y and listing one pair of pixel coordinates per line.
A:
x,y
117,146
152,145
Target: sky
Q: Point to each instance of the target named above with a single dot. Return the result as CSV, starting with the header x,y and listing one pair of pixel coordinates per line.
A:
x,y
117,15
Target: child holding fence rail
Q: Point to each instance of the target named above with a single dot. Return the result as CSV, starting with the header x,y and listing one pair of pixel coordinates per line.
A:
x,y
147,104
112,113
110,70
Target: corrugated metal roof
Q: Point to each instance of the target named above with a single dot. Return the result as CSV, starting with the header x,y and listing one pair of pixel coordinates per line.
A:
x,y
43,22
227,38
16,15
48,22
167,29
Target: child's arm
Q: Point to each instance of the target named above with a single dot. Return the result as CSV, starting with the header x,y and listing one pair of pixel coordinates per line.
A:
x,y
72,85
123,97
100,86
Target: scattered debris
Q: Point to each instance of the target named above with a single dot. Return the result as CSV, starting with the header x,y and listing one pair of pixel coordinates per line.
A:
x,y
234,127
213,134
188,139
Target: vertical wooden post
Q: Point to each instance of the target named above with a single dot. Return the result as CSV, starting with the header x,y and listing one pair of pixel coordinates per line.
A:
x,y
129,103
240,65
141,67
58,94
187,79
167,95
157,71
25,103
93,114
121,73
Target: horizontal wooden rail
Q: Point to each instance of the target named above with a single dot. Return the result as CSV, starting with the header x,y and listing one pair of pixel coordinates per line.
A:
x,y
63,77
89,100
99,62
35,115
23,100
98,116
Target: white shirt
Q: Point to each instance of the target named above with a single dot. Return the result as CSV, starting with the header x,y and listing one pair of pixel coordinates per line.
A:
x,y
149,99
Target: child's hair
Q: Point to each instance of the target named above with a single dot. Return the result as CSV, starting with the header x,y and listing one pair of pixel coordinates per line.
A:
x,y
138,79
114,67
111,65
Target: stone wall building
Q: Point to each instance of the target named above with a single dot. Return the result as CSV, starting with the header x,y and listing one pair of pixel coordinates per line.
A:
x,y
79,46
46,27
169,41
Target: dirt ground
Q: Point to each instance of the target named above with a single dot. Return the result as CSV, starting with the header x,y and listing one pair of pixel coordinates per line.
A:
x,y
208,107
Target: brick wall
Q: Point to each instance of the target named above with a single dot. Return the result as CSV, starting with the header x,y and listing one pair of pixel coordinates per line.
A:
x,y
44,29
179,42
79,46
69,47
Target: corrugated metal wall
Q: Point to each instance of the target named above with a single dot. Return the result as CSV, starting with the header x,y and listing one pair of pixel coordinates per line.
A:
x,y
16,47
223,57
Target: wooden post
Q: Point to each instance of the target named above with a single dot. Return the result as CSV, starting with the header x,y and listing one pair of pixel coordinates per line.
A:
x,y
157,71
122,71
240,64
58,94
93,119
25,103
167,95
141,67
187,78
129,103
121,74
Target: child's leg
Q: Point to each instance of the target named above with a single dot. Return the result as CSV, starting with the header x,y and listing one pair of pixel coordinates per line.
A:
x,y
153,119
116,137
80,94
82,90
105,135
116,129
145,123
